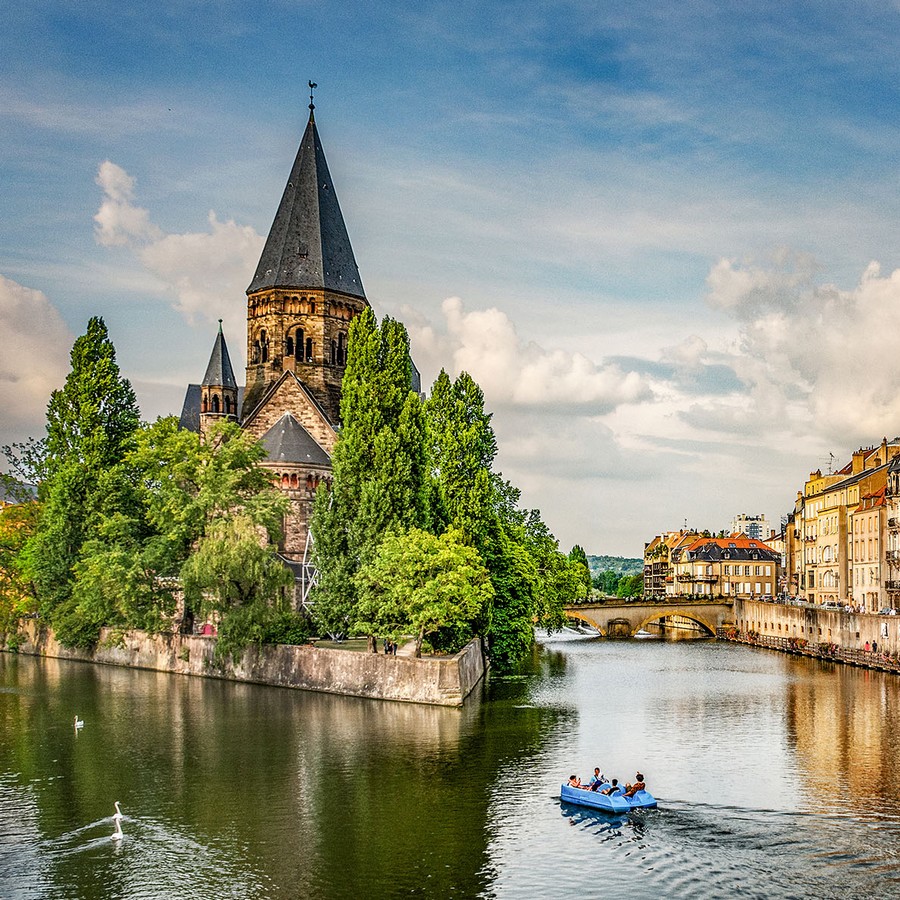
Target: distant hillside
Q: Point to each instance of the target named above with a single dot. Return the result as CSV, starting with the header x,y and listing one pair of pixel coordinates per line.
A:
x,y
621,565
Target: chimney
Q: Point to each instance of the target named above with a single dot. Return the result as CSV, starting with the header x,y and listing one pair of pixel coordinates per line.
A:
x,y
859,461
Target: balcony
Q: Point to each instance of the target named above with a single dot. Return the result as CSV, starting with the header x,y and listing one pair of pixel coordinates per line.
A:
x,y
706,579
892,585
893,522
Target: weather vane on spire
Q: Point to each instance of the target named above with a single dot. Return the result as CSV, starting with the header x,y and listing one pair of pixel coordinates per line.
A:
x,y
312,87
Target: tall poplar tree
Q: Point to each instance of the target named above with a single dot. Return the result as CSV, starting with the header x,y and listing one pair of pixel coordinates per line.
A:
x,y
379,465
91,422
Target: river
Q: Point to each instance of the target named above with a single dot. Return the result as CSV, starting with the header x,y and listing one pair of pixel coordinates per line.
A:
x,y
776,776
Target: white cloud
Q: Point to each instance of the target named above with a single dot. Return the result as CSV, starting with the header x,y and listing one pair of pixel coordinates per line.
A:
x,y
119,221
485,344
203,272
817,357
35,357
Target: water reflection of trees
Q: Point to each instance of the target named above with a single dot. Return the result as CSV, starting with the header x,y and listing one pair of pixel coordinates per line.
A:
x,y
310,794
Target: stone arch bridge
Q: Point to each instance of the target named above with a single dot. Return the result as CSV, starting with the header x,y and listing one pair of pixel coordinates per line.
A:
x,y
620,618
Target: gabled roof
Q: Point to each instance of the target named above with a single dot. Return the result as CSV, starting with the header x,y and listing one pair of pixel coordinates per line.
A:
x,y
287,441
308,245
273,388
219,372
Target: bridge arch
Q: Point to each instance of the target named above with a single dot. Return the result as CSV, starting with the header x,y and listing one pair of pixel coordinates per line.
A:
x,y
623,618
664,613
573,614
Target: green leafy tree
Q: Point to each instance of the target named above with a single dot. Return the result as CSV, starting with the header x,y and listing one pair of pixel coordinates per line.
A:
x,y
92,419
91,422
17,524
379,465
607,582
630,586
581,570
235,574
418,583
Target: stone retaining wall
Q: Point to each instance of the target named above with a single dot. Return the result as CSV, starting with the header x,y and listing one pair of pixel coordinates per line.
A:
x,y
834,635
439,681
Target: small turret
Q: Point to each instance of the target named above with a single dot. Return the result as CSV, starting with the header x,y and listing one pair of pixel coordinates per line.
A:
x,y
218,390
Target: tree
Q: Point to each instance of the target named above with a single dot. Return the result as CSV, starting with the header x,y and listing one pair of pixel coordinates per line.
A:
x,y
630,586
234,574
378,463
607,582
92,419
582,571
461,451
17,524
91,423
419,583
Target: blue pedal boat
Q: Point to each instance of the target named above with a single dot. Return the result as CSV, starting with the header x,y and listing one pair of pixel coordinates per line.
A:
x,y
611,803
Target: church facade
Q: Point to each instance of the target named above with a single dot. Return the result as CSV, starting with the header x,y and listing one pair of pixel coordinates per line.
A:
x,y
305,292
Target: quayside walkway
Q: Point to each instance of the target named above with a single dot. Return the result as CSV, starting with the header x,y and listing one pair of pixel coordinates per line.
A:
x,y
623,618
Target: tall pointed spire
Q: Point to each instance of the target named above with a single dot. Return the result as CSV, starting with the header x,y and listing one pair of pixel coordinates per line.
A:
x,y
308,245
219,372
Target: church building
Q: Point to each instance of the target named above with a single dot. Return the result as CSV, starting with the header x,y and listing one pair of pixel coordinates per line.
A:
x,y
300,302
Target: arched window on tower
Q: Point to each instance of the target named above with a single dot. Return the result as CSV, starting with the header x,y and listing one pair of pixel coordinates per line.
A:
x,y
263,347
298,343
203,405
227,405
334,353
215,403
309,349
342,349
289,346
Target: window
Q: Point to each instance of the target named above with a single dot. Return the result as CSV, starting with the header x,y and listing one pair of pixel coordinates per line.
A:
x,y
215,403
289,347
758,588
309,349
768,570
263,344
746,570
298,343
727,570
757,570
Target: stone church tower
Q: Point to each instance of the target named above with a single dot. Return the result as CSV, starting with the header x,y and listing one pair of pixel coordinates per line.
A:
x,y
306,288
303,296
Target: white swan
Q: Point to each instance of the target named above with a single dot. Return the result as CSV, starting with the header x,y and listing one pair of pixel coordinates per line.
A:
x,y
79,723
118,834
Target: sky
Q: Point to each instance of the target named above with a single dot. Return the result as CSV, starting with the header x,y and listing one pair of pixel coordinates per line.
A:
x,y
664,238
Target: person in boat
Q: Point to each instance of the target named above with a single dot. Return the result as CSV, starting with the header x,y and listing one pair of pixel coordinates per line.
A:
x,y
597,780
574,781
632,789
611,788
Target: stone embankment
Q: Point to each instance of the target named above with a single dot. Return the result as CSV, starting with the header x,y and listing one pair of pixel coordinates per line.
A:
x,y
834,635
444,681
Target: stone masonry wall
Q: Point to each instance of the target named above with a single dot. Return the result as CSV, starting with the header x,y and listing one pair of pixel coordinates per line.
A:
x,y
437,681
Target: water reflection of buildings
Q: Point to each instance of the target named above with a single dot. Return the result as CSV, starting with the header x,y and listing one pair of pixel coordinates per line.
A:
x,y
843,728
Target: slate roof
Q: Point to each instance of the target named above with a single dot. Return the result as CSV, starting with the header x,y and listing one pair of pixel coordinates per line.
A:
x,y
308,245
714,549
287,441
219,372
